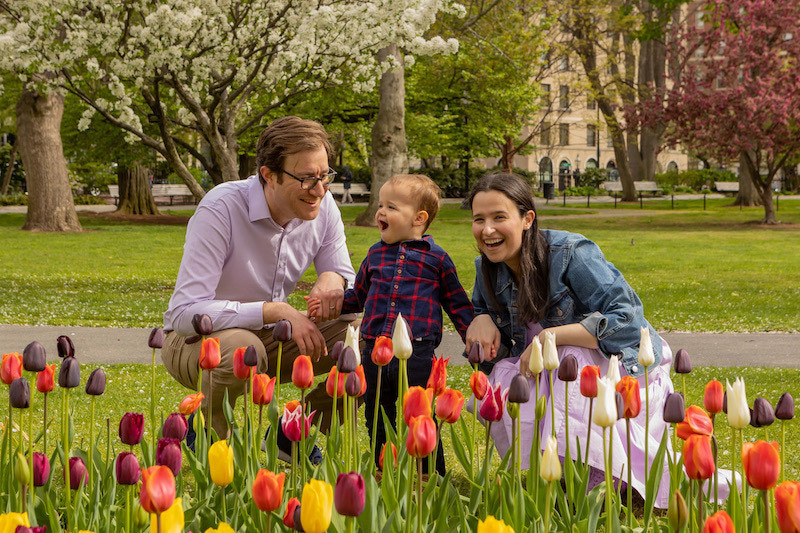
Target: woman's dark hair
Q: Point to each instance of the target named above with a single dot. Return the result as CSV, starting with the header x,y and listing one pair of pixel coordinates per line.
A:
x,y
533,285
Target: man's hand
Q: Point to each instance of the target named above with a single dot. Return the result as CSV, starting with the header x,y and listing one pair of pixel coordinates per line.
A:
x,y
304,332
483,330
329,290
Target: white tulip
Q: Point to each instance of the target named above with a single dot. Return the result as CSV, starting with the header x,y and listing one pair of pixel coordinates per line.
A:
x,y
613,371
351,340
605,405
646,355
550,351
738,408
550,469
401,339
536,363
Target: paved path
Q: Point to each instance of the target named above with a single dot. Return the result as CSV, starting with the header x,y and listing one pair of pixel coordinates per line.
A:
x,y
129,345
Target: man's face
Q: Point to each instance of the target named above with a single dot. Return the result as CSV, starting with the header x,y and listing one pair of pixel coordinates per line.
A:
x,y
287,200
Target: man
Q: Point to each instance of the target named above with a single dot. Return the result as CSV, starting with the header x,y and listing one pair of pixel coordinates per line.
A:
x,y
247,245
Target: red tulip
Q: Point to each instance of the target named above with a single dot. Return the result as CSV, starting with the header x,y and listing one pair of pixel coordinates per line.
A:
x,y
127,469
268,490
168,453
288,516
479,384
628,387
383,352
491,409
131,427
294,421
78,474
46,379
41,469
697,457
158,489
712,398
339,378
696,422
383,452
449,404
263,387
241,370
210,355
421,436
303,372
190,404
348,495
175,427
11,367
719,522
417,402
437,381
787,504
762,464
589,376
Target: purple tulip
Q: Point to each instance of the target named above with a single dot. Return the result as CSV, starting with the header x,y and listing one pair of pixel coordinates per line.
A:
x,y
347,361
175,427
41,469
620,405
202,324
683,363
476,354
784,409
282,331
78,474
250,356
34,358
65,346
725,403
69,376
674,408
298,523
38,529
19,393
169,454
131,428
127,469
520,390
96,384
348,496
336,351
763,413
568,368
352,385
156,339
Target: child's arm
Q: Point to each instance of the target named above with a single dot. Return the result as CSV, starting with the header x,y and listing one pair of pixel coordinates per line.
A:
x,y
355,297
454,298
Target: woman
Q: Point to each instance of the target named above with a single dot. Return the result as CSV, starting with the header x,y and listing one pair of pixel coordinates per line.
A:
x,y
530,281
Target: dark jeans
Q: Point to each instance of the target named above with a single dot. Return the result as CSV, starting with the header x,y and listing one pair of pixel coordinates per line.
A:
x,y
419,369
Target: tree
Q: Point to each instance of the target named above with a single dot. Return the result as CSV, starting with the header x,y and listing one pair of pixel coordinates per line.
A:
x,y
740,94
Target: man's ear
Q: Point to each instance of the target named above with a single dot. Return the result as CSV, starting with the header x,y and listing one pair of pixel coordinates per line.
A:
x,y
421,219
269,177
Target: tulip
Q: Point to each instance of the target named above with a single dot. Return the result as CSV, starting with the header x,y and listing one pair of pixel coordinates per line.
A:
x,y
347,361
491,409
449,404
65,346
476,354
541,407
589,376
175,427
762,464
11,367
437,381
348,496
39,529
282,331
352,385
493,525
351,338
719,522
549,350
45,380
763,412
417,402
479,384
21,470
41,469
69,376
334,384
288,516
210,354
127,469
302,372
268,490
536,361
223,527
696,422
519,391
9,522
190,403
628,387
422,438
263,388
220,462
315,513
202,324
19,394
677,514
382,352
784,409
646,355
738,411
683,363
78,475
156,338
697,457
620,404
383,452
34,357
674,411
172,520
787,505
131,427
250,357
605,411
550,467
240,369
725,403
613,370
293,422
712,397
363,379
168,453
96,384
568,368
401,339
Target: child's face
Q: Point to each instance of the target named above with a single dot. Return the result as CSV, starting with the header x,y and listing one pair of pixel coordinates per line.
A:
x,y
398,217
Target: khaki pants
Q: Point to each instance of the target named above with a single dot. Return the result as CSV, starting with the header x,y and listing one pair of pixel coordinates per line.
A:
x,y
181,361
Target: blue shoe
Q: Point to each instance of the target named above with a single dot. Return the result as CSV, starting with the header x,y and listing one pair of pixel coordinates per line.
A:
x,y
191,436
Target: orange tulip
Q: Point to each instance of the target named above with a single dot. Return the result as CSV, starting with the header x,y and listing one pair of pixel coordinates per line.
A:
x,y
11,367
339,378
479,384
762,464
628,387
362,379
268,490
383,452
46,379
210,353
437,381
713,397
787,504
449,404
589,376
190,404
303,372
241,370
383,352
719,522
263,387
421,436
696,422
697,457
417,402
158,489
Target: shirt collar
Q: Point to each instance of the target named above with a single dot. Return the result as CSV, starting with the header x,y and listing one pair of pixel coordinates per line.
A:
x,y
426,242
504,277
257,202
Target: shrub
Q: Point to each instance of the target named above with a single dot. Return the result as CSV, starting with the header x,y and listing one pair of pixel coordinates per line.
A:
x,y
694,179
593,177
88,199
14,199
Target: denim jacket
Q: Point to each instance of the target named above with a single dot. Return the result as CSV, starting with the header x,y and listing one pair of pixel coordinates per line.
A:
x,y
584,288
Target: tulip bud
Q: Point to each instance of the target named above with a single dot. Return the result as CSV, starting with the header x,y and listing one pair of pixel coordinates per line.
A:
x,y
550,468
476,354
549,350
541,407
437,380
34,358
11,367
127,469
784,410
202,324
416,402
646,355
738,411
336,351
479,384
713,396
288,516
282,331
761,462
491,408
348,496
589,376
21,470
25,529
175,427
303,372
787,502
191,402
156,339
96,384
383,452
168,453
210,354
678,514
158,489
725,403
674,410
763,412
45,379
620,404
251,356
421,436
69,376
536,361
401,338
753,421
298,518
449,404
220,462
519,391
334,383
78,474
568,368
696,422
315,514
719,522
683,363
613,375
131,427
141,518
605,409
19,394
268,490
263,389
240,369
698,460
352,384
382,352
351,339
65,346
513,410
347,361
41,469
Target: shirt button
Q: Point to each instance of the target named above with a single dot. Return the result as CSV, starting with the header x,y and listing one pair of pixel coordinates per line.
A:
x,y
399,270
402,256
392,304
499,320
396,286
634,368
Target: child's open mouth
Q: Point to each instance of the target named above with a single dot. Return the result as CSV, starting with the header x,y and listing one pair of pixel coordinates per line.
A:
x,y
382,225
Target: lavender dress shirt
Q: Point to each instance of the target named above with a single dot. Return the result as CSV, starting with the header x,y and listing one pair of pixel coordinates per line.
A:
x,y
236,257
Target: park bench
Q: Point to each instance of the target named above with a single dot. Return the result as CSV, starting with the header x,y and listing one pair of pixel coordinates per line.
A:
x,y
640,186
727,186
356,189
159,190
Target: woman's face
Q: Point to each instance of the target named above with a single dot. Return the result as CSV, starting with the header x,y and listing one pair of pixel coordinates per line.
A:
x,y
498,227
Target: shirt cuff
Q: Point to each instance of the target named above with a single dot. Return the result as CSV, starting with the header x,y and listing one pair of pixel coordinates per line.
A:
x,y
595,324
251,315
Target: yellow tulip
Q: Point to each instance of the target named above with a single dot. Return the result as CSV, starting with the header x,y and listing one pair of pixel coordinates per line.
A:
x,y
493,525
738,409
223,528
536,362
171,519
220,461
401,340
549,351
316,506
550,469
10,521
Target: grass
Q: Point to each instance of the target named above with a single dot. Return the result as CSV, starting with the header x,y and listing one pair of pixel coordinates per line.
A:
x,y
695,270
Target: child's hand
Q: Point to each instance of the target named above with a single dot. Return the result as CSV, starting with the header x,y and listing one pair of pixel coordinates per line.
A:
x,y
314,307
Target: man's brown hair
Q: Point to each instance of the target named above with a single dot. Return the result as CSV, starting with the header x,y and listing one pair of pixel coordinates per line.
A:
x,y
286,136
424,189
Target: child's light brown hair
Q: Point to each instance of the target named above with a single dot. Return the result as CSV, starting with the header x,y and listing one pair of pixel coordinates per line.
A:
x,y
424,188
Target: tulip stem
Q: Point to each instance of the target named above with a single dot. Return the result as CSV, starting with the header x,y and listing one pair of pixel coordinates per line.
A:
x,y
399,409
158,522
767,517
278,374
646,432
547,507
210,409
629,510
269,522
349,522
519,450
486,471
690,523
551,375
410,493
152,409
302,456
346,432
419,492
744,483
608,482
292,471
91,443
65,427
260,428
513,448
537,436
375,419
588,433
30,442
10,443
224,505
783,447
44,422
716,461
247,439
129,512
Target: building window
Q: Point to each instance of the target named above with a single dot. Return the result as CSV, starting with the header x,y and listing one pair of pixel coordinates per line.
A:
x,y
546,95
591,103
544,137
609,140
563,134
699,17
563,63
563,97
591,135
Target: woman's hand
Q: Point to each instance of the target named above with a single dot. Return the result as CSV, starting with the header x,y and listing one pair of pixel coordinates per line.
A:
x,y
482,330
524,361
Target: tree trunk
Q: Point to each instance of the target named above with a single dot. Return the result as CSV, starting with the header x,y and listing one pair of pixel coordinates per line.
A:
x,y
748,195
135,195
769,207
790,178
12,158
50,203
389,152
507,157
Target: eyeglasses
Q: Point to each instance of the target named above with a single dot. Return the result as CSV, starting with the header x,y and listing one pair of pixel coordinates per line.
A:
x,y
309,183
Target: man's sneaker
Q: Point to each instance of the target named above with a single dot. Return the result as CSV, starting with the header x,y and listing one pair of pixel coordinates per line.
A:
x,y
285,447
191,435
